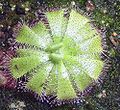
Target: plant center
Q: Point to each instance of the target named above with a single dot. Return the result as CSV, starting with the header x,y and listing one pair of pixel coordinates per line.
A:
x,y
55,52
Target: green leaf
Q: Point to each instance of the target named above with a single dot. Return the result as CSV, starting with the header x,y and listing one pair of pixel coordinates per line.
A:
x,y
57,22
22,65
52,79
37,82
65,89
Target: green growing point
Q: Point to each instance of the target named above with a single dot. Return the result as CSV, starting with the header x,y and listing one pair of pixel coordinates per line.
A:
x,y
68,59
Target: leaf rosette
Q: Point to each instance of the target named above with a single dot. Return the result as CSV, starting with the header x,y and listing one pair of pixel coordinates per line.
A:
x,y
59,56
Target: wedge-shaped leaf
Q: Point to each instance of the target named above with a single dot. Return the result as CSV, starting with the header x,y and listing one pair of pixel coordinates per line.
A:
x,y
22,65
92,45
42,32
57,22
65,89
28,36
78,72
43,56
75,24
37,82
52,79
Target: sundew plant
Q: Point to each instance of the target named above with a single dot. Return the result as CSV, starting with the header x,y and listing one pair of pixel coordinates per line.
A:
x,y
59,56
